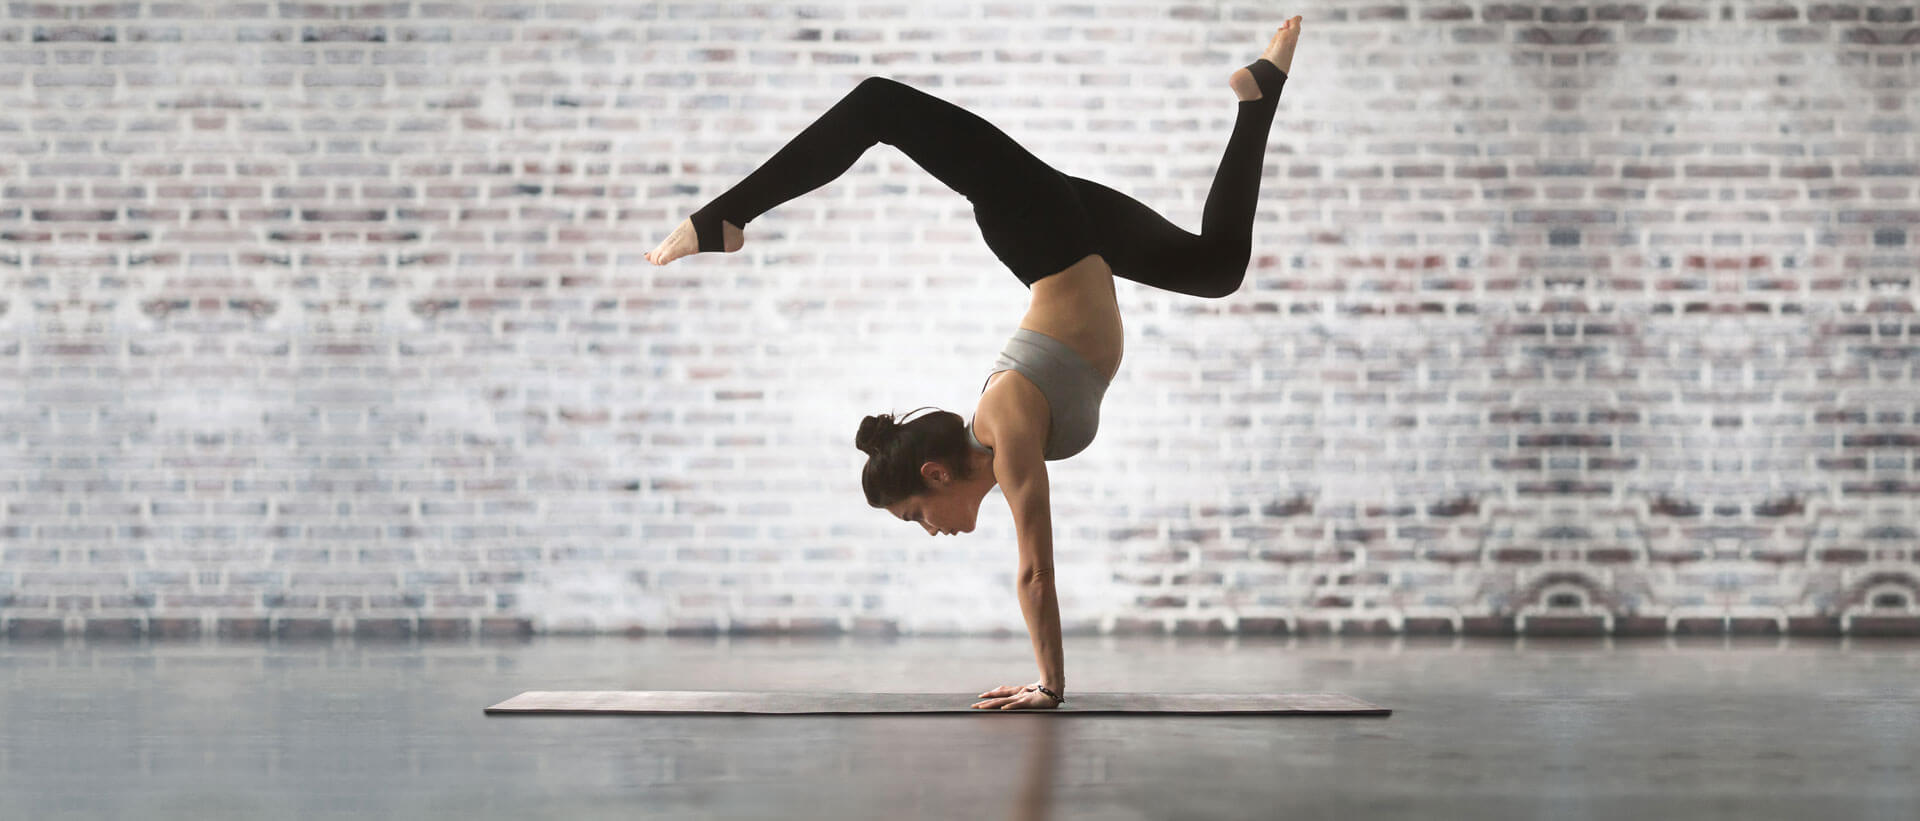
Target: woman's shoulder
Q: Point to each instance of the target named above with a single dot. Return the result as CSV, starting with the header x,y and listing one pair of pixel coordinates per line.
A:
x,y
1011,402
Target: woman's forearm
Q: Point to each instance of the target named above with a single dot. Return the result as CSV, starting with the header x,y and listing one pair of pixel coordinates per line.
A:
x,y
1042,609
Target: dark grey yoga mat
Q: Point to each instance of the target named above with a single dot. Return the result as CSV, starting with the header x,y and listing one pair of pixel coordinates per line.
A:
x,y
787,703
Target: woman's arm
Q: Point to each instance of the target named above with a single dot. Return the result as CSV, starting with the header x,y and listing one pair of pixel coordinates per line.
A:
x,y
1021,470
1042,609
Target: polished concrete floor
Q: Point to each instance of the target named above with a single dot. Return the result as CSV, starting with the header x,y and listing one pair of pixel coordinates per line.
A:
x,y
1482,728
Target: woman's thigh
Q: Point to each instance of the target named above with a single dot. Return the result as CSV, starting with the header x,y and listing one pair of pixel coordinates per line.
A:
x,y
962,149
1041,235
1144,247
1140,244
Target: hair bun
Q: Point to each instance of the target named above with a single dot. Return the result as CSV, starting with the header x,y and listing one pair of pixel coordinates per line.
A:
x,y
875,433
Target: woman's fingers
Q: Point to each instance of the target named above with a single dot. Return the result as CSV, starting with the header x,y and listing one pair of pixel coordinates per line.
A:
x,y
1018,701
999,695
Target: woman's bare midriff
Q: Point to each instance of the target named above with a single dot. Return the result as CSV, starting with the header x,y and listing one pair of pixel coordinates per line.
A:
x,y
1078,306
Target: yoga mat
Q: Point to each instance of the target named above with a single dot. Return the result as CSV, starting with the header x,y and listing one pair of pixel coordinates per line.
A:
x,y
790,703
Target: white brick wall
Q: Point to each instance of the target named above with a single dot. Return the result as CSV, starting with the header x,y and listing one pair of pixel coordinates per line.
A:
x,y
333,318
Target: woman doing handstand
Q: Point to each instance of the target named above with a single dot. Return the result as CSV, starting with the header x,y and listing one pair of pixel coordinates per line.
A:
x,y
1065,238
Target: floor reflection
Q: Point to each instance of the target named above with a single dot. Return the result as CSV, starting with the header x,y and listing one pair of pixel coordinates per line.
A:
x,y
1481,728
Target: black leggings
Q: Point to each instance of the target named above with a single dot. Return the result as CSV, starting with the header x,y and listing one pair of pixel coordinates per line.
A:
x,y
1037,220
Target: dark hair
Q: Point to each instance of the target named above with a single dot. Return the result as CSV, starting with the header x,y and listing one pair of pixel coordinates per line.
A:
x,y
896,451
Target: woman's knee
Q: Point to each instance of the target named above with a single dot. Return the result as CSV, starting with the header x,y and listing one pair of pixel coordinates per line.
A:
x,y
1226,276
876,84
1219,286
882,94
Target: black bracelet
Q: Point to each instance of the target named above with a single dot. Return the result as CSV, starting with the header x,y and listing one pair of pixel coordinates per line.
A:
x,y
1056,696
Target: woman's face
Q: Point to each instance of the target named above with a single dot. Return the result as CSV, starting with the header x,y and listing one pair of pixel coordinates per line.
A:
x,y
943,510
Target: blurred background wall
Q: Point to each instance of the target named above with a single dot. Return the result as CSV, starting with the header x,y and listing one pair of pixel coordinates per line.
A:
x,y
332,318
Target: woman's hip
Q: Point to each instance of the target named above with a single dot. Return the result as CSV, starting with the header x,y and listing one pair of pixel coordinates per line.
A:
x,y
1039,233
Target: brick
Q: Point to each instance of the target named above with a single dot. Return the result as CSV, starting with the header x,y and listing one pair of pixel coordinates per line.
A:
x,y
865,626
1138,627
1866,626
1200,627
1488,626
819,626
1700,625
505,627
1376,626
1315,626
115,628
1753,626
300,628
1816,626
390,628
442,627
1427,626
162,628
1261,626
1571,625
704,627
1639,626
762,626
237,627
31,628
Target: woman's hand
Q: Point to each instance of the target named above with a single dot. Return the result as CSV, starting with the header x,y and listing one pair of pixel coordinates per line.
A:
x,y
1012,697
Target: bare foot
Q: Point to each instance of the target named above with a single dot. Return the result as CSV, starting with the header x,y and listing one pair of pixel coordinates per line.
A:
x,y
684,241
1279,52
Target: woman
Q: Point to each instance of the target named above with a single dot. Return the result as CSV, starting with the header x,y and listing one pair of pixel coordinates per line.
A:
x,y
1065,238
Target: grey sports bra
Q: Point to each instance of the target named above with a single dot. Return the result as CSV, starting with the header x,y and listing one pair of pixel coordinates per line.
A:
x,y
1073,387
